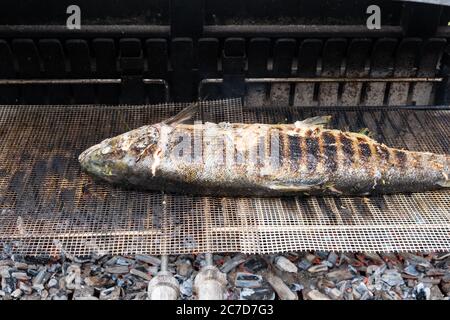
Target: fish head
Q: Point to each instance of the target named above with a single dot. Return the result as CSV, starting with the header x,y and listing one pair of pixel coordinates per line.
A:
x,y
116,159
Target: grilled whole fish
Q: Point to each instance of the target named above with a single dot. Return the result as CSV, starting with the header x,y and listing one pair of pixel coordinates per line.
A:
x,y
234,159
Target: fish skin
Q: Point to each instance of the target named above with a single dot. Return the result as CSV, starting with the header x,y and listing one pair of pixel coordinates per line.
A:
x,y
310,160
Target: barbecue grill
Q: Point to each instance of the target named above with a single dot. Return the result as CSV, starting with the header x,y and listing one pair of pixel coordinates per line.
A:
x,y
139,62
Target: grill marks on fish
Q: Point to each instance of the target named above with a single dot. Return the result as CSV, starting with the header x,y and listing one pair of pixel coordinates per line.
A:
x,y
330,151
313,152
295,150
301,150
310,151
364,150
273,147
261,150
348,149
268,146
401,157
284,147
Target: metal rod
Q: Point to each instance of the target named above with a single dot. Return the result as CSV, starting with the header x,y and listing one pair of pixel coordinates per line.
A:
x,y
86,30
362,107
438,2
164,263
209,259
318,80
215,80
208,30
58,81
150,232
322,228
259,80
326,79
75,81
84,81
300,30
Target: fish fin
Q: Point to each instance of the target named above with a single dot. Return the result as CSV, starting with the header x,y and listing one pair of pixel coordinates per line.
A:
x,y
184,115
366,132
445,184
320,121
446,173
293,187
332,189
289,188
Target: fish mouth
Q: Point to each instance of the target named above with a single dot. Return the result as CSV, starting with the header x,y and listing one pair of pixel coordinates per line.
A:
x,y
85,154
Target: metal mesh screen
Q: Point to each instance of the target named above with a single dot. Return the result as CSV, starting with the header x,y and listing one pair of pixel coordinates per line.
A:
x,y
47,205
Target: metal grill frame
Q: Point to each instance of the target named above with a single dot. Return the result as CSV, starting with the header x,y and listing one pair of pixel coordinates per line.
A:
x,y
48,206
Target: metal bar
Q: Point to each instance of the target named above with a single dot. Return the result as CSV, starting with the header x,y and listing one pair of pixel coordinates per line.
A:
x,y
438,2
208,31
322,79
217,229
85,31
58,81
318,80
164,239
327,227
300,31
9,31
164,263
83,81
207,216
88,234
209,259
361,108
75,81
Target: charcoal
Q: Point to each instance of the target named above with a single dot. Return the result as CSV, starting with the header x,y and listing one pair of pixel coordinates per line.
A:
x,y
140,274
312,276
285,265
117,269
255,264
232,263
318,268
248,280
148,259
262,293
316,295
339,275
16,294
20,276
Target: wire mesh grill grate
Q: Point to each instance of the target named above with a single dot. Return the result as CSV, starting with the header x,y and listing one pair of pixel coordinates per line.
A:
x,y
47,205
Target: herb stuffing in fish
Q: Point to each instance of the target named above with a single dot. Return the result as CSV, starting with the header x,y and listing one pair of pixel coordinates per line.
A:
x,y
235,159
